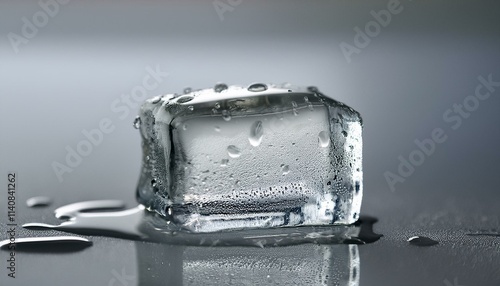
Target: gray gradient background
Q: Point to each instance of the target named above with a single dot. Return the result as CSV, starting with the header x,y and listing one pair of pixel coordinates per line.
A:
x,y
427,59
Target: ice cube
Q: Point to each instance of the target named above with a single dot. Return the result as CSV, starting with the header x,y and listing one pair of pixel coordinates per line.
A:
x,y
256,157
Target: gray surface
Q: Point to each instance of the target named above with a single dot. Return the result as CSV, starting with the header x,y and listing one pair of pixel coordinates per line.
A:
x,y
427,59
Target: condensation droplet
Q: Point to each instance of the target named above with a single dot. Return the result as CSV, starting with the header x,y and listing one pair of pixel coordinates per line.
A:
x,y
226,115
191,108
323,139
256,87
312,89
285,169
256,133
233,151
187,90
137,122
344,133
223,162
184,99
217,129
184,126
220,87
217,105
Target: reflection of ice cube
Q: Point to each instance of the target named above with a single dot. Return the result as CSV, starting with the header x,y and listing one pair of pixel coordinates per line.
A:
x,y
239,158
307,264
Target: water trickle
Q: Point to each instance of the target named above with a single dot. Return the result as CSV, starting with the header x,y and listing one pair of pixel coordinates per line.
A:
x,y
257,87
220,87
323,139
40,201
72,210
484,233
233,151
137,122
421,241
256,133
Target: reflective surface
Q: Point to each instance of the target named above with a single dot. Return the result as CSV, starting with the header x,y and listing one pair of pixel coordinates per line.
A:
x,y
78,74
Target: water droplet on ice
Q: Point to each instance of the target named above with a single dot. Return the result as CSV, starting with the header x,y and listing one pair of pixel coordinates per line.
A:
x,y
256,133
220,87
285,169
256,87
312,89
323,139
184,99
156,99
233,151
137,122
226,115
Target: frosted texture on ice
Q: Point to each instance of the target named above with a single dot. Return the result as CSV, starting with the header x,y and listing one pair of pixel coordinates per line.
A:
x,y
250,159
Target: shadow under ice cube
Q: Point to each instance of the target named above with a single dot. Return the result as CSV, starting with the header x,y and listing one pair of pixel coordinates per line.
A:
x,y
233,158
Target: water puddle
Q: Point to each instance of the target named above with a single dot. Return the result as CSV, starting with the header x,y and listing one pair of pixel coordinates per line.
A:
x,y
51,244
88,218
422,241
38,202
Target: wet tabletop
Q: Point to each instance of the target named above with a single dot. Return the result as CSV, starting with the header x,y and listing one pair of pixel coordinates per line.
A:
x,y
426,86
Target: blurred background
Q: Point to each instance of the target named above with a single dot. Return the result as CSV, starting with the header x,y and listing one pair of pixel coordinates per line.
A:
x,y
404,65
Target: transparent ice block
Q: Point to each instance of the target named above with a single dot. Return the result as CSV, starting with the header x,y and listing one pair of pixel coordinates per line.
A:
x,y
257,157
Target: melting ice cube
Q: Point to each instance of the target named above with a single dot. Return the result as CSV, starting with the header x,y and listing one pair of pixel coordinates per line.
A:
x,y
256,157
